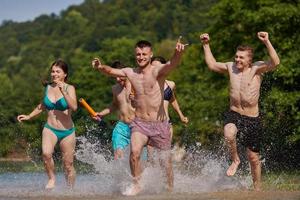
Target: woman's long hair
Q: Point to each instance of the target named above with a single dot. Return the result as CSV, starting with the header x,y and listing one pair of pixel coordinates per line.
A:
x,y
61,64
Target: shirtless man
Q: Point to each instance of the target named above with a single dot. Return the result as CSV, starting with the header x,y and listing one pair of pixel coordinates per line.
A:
x,y
150,125
121,102
243,119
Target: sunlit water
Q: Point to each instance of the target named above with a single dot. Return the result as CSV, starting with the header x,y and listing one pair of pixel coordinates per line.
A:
x,y
199,171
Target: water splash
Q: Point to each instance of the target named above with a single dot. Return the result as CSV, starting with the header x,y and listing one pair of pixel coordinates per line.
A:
x,y
196,170
199,171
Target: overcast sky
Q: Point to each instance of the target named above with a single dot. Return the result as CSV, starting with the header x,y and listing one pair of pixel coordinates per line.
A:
x,y
24,10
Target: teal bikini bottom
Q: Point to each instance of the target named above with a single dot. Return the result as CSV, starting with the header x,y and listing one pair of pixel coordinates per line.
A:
x,y
60,133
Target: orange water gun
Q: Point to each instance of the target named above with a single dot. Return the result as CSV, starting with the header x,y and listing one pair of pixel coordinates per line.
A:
x,y
87,107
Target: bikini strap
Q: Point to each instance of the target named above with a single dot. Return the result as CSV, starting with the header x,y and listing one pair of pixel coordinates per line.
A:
x,y
46,89
169,86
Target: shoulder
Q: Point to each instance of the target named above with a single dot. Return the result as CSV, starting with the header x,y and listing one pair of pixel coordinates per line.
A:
x,y
230,66
170,83
260,66
258,63
69,86
114,87
154,69
127,69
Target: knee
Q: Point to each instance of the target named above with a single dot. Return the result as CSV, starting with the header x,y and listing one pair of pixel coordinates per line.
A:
x,y
230,131
47,155
253,158
68,165
135,155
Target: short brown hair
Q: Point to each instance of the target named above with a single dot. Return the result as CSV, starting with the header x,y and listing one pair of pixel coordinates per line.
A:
x,y
246,48
143,43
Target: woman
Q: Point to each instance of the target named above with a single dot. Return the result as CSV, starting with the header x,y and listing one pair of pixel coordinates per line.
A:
x,y
169,94
59,102
169,98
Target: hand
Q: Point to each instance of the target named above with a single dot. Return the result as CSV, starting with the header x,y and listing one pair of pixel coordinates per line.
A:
x,y
97,117
184,119
179,46
60,85
204,38
21,118
96,63
263,36
131,97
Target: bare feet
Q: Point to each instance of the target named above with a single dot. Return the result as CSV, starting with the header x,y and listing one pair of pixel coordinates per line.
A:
x,y
50,184
257,186
169,188
132,190
232,168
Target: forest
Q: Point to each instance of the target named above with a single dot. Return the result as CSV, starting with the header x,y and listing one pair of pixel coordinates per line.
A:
x,y
109,30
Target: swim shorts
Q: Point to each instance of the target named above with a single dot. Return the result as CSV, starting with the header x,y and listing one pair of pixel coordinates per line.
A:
x,y
158,132
121,135
250,129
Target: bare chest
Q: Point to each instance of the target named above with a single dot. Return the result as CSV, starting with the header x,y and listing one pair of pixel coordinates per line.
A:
x,y
245,82
145,84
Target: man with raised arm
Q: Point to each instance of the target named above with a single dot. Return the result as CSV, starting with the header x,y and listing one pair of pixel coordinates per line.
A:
x,y
123,105
243,119
150,125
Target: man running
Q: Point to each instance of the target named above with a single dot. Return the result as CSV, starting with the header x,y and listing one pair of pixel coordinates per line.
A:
x,y
122,103
243,119
150,125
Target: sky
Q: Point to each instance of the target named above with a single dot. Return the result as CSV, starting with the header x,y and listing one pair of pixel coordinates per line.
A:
x,y
24,10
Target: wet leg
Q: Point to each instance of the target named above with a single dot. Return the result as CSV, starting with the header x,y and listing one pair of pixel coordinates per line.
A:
x,y
67,146
48,143
230,131
255,166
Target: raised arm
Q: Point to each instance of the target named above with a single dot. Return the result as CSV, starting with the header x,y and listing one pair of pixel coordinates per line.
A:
x,y
107,69
164,70
209,58
38,110
265,66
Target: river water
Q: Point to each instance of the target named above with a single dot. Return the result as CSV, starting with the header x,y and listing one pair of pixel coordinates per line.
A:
x,y
200,175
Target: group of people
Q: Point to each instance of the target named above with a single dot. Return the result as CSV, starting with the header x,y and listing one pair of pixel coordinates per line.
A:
x,y
142,95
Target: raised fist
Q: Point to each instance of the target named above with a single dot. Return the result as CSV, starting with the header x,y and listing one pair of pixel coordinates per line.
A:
x,y
204,38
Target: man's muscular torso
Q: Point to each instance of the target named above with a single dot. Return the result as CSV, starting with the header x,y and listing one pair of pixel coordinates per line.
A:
x,y
244,90
148,89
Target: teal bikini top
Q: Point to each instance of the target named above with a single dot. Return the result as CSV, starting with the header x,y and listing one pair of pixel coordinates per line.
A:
x,y
61,104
